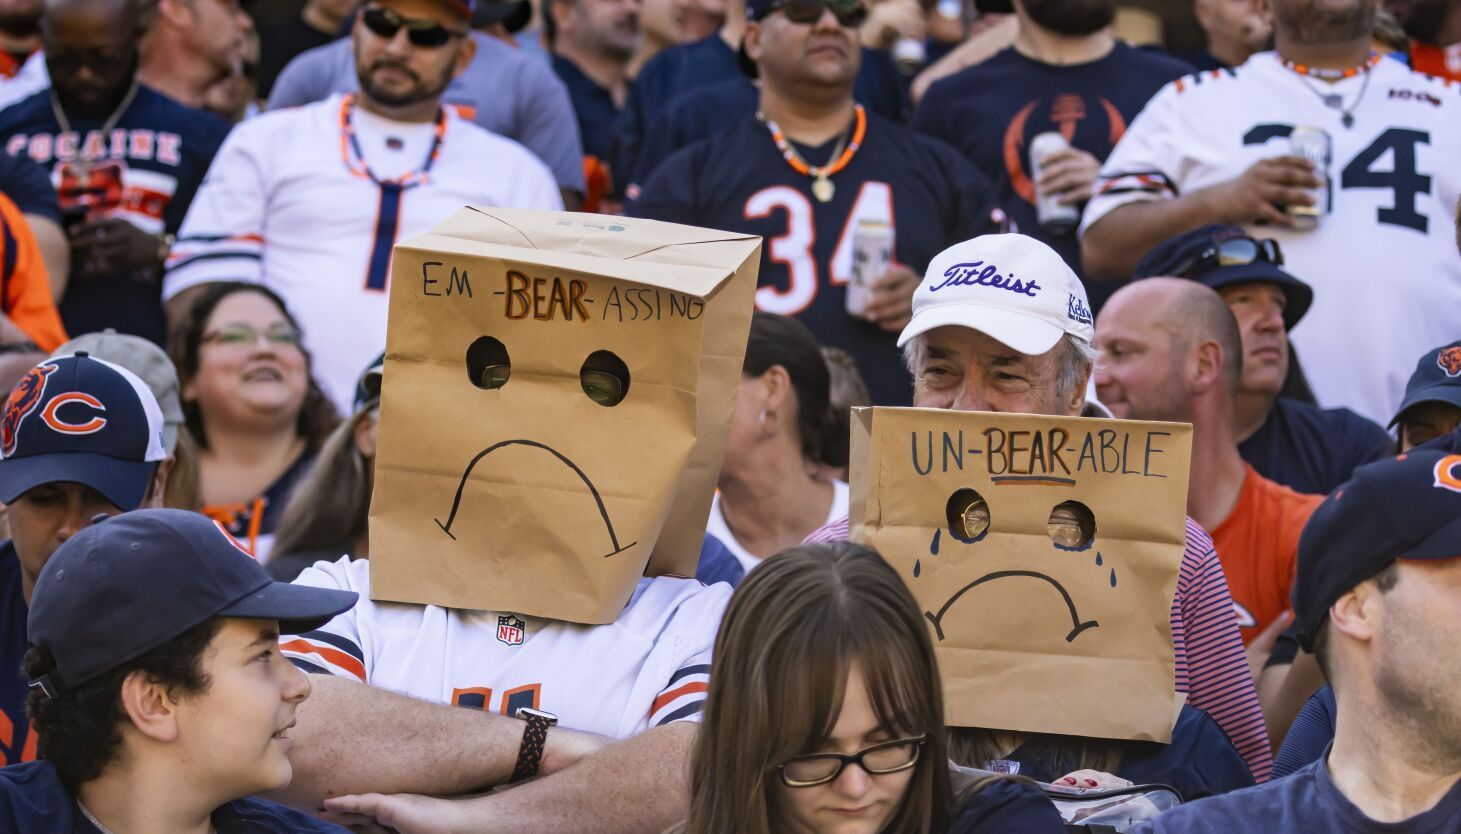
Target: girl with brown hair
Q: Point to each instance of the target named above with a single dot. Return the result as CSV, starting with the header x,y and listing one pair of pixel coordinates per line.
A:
x,y
825,712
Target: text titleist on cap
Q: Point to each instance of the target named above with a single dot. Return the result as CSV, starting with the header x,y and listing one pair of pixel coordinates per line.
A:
x,y
979,274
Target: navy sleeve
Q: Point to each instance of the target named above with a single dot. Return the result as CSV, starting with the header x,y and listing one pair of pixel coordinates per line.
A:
x,y
255,816
718,564
1310,734
670,194
881,87
1006,805
28,185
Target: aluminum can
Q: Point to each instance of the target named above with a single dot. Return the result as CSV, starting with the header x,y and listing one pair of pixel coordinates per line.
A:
x,y
1054,216
1313,144
872,254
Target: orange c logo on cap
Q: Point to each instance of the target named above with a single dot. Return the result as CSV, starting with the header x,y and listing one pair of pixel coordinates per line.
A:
x,y
1445,476
51,413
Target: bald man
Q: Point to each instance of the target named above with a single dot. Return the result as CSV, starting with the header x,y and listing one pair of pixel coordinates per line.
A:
x,y
1171,350
125,159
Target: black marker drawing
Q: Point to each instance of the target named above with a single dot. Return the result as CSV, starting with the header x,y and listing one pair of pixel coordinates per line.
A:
x,y
603,511
1076,625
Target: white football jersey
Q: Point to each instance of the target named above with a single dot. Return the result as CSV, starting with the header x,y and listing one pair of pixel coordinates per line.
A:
x,y
1383,260
283,206
649,668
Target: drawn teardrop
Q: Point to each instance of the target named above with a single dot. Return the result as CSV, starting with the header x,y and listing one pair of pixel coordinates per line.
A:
x,y
1098,559
917,567
1113,577
933,547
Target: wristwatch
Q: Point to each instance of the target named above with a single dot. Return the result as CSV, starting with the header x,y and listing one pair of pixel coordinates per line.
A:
x,y
535,736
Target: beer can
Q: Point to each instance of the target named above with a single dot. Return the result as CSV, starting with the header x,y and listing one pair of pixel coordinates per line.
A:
x,y
1313,144
1054,216
872,254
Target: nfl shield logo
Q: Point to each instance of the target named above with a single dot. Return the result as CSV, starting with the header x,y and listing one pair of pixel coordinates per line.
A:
x,y
510,630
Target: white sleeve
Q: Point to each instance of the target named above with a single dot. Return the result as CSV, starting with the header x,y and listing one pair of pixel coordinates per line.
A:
x,y
1144,163
334,648
680,662
222,236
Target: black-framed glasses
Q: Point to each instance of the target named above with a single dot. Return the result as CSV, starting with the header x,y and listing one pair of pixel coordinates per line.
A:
x,y
1238,251
279,335
878,759
424,33
849,13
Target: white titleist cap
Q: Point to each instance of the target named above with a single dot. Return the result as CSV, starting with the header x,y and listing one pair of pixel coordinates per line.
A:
x,y
1010,287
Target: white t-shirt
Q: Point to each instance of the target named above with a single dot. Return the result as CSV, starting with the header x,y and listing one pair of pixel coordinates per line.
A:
x,y
651,667
280,207
718,528
1383,260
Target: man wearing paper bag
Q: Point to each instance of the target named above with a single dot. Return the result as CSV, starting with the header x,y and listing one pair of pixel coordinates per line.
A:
x,y
557,395
1001,324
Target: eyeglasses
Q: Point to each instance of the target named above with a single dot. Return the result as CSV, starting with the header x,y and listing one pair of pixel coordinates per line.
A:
x,y
243,334
849,13
879,759
424,33
1238,251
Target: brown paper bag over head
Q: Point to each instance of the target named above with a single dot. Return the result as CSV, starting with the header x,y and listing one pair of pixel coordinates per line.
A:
x,y
1044,552
558,389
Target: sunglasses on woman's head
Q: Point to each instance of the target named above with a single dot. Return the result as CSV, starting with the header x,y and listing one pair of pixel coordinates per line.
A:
x,y
424,33
878,759
849,13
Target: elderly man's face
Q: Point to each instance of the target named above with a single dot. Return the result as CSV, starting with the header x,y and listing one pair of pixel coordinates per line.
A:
x,y
965,370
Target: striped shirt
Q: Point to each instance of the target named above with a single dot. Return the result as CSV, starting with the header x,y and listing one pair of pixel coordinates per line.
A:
x,y
1212,667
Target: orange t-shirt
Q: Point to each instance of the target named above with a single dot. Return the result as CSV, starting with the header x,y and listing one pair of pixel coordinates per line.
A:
x,y
25,290
1440,61
1258,544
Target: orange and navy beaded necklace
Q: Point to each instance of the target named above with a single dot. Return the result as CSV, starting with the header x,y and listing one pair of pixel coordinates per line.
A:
x,y
1334,100
822,187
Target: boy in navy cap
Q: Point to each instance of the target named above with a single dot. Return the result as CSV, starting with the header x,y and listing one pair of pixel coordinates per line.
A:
x,y
1305,448
157,686
78,437
1432,404
1375,598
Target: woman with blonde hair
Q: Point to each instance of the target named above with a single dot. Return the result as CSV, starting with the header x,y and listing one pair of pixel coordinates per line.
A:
x,y
825,712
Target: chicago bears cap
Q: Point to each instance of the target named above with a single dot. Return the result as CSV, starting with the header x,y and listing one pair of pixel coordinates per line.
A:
x,y
1177,256
148,361
1407,507
1010,287
129,583
1437,378
81,420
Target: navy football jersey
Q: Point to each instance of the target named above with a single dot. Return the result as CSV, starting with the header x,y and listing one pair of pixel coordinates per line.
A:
x,y
739,181
17,742
992,110
697,66
146,172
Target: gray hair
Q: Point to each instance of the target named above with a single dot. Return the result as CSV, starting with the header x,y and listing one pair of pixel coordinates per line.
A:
x,y
1074,364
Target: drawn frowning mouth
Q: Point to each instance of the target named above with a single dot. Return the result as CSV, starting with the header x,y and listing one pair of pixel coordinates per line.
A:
x,y
598,500
1077,626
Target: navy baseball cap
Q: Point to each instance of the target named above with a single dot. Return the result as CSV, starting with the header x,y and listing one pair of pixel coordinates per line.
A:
x,y
130,583
1437,378
82,420
1217,255
1408,507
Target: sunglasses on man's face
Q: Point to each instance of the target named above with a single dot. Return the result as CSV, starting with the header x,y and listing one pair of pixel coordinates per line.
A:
x,y
850,13
424,33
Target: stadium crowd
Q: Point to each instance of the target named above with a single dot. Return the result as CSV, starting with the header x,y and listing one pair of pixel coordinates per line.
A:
x,y
1055,208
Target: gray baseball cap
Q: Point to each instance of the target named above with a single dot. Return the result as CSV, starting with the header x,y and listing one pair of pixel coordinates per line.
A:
x,y
148,362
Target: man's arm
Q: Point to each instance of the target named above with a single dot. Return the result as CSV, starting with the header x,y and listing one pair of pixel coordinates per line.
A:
x,y
351,738
638,785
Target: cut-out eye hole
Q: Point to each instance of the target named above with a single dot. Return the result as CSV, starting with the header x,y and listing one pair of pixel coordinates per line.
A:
x,y
488,365
1072,525
605,378
968,515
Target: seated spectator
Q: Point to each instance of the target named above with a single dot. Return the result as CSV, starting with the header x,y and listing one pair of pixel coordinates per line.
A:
x,y
309,201
1235,29
327,511
772,491
1433,31
158,690
849,391
251,403
1432,404
504,89
975,348
825,711
318,23
593,42
1375,598
190,45
1172,351
20,34
1306,448
53,482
